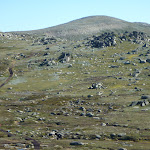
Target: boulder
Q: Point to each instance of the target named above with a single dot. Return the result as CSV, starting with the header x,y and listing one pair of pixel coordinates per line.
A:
x,y
145,97
133,103
89,114
96,86
145,45
64,57
142,61
148,60
127,62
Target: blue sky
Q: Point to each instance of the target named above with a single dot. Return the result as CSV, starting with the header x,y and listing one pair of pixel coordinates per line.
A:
x,y
21,15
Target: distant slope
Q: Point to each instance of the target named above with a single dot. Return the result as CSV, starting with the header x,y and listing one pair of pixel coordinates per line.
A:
x,y
81,28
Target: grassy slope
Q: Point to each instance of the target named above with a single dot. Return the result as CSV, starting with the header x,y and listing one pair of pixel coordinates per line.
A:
x,y
38,91
36,88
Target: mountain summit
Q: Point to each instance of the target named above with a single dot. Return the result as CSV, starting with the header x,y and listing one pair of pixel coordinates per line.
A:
x,y
81,28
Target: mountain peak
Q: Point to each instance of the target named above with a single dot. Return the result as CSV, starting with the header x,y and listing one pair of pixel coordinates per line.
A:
x,y
86,26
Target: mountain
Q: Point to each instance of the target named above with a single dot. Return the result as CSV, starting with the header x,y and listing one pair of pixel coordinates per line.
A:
x,y
92,93
81,28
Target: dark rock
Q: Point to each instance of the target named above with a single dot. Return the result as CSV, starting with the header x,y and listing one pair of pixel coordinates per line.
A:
x,y
133,103
148,60
145,45
76,143
122,58
45,54
113,66
82,114
127,62
64,57
142,61
121,134
122,149
104,40
90,114
145,97
82,108
96,86
113,135
89,96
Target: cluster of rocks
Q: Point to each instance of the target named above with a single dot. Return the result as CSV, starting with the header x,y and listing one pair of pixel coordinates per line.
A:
x,y
109,39
48,62
135,73
104,40
64,57
45,40
96,86
136,37
144,102
19,56
144,60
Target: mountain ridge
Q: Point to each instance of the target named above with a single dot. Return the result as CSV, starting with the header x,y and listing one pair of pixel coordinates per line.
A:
x,y
86,26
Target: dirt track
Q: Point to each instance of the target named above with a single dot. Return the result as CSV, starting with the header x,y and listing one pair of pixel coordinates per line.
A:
x,y
9,78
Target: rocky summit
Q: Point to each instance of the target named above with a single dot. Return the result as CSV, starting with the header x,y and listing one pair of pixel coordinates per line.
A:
x,y
81,85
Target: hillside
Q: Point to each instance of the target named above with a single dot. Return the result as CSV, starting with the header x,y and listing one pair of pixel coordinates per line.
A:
x,y
81,28
92,93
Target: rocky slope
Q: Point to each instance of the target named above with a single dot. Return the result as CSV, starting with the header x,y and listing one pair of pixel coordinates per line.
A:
x,y
87,94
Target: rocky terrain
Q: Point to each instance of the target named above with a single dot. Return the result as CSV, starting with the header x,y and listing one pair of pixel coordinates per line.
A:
x,y
58,92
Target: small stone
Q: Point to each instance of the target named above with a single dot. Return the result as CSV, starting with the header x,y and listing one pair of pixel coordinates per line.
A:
x,y
103,124
82,114
127,62
76,143
82,108
121,134
90,114
142,61
133,103
89,96
145,97
70,66
122,149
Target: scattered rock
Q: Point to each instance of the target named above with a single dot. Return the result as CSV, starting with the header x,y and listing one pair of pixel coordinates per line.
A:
x,y
89,114
122,149
148,60
75,143
89,96
96,86
145,97
142,61
127,62
64,57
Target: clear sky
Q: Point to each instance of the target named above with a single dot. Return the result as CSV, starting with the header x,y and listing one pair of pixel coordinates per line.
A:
x,y
21,15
